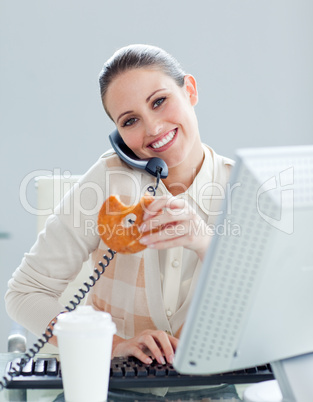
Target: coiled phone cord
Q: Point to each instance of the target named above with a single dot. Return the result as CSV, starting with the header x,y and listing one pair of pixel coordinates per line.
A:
x,y
152,189
37,346
49,331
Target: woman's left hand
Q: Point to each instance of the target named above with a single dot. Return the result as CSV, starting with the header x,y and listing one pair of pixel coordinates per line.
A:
x,y
179,225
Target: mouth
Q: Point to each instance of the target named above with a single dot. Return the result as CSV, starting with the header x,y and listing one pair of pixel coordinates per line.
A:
x,y
166,140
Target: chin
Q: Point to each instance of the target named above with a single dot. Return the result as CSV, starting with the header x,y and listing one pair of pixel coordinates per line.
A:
x,y
174,163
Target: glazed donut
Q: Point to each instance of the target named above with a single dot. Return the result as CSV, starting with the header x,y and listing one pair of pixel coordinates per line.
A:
x,y
118,224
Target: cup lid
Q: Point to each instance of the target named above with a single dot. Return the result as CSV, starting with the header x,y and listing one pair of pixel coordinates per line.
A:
x,y
84,319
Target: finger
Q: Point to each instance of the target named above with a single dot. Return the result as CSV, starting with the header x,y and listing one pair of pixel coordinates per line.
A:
x,y
169,232
155,207
198,244
174,341
168,216
163,203
177,242
140,355
150,343
168,346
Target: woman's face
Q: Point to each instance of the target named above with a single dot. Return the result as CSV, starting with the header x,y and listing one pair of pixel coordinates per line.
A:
x,y
155,116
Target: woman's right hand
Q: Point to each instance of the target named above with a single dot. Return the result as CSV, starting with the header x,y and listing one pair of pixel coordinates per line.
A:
x,y
155,344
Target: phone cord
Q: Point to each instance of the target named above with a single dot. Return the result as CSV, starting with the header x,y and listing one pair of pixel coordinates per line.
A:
x,y
152,189
49,330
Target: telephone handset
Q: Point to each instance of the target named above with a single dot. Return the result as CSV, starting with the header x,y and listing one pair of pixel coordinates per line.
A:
x,y
156,167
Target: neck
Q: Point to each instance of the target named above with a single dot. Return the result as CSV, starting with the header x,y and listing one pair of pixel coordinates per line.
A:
x,y
182,176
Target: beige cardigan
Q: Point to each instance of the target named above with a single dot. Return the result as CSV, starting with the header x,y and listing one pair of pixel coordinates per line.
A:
x,y
130,289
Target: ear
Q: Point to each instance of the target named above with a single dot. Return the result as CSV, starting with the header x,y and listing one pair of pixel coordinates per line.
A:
x,y
191,88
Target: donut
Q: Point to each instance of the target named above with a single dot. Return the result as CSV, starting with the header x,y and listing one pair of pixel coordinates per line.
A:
x,y
118,224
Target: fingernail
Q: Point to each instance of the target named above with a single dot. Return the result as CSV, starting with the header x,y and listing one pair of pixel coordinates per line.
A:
x,y
143,240
162,360
170,359
148,360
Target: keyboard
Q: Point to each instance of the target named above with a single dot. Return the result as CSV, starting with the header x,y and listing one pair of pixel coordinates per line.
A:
x,y
46,373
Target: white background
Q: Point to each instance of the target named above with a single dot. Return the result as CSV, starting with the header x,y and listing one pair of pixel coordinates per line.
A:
x,y
253,61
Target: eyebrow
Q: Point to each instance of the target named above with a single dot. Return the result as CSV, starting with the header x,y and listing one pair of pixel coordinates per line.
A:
x,y
147,100
153,93
123,114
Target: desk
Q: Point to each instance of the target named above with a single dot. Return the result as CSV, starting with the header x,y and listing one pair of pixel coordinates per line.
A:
x,y
226,394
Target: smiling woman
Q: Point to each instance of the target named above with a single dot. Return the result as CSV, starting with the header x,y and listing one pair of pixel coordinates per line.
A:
x,y
151,100
156,117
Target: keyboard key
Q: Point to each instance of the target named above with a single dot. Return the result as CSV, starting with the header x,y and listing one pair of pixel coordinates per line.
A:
x,y
117,372
52,367
251,370
172,372
262,368
129,372
151,370
13,366
39,367
28,368
160,371
142,372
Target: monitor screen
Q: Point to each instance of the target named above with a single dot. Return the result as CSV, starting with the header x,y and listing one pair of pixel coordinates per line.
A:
x,y
253,303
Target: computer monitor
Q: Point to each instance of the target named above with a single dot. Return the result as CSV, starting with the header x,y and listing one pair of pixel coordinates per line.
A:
x,y
253,303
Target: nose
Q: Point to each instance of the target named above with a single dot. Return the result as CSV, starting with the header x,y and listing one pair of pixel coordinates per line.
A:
x,y
154,127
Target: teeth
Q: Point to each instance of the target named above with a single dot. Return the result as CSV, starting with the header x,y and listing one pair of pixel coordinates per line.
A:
x,y
165,140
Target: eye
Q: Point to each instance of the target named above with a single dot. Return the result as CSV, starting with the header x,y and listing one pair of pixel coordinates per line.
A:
x,y
158,102
129,122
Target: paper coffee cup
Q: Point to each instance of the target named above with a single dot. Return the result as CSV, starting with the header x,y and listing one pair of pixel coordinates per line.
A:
x,y
85,345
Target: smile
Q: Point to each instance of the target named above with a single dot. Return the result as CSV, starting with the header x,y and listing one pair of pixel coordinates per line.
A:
x,y
165,140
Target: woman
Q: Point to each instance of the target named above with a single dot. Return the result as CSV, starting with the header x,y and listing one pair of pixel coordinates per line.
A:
x,y
151,100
